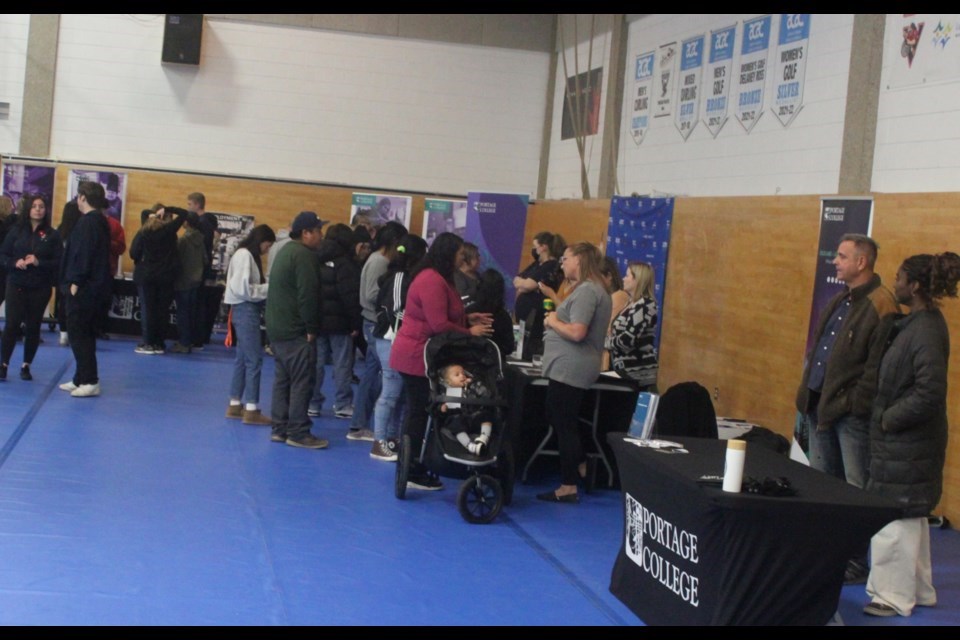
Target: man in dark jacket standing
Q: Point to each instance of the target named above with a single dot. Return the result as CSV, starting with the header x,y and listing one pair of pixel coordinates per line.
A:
x,y
293,321
840,376
86,281
340,319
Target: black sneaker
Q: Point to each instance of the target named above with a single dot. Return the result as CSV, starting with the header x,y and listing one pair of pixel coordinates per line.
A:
x,y
425,481
25,372
856,573
3,372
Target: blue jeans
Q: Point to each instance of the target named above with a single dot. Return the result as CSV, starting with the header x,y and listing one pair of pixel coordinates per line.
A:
x,y
369,388
245,385
389,409
340,345
187,315
843,450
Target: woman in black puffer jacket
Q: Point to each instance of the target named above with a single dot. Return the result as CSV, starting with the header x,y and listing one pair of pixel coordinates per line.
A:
x,y
908,433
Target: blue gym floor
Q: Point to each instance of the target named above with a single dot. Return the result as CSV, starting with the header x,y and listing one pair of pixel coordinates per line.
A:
x,y
146,506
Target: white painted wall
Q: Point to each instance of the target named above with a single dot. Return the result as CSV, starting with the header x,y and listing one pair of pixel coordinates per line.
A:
x,y
301,104
803,158
563,177
918,125
14,29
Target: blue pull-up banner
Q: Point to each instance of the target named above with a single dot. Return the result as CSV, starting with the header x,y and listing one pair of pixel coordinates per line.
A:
x,y
639,230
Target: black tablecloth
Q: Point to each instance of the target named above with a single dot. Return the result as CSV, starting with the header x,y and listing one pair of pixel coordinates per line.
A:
x,y
124,315
526,393
696,555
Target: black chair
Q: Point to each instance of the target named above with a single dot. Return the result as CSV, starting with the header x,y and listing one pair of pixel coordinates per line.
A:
x,y
686,410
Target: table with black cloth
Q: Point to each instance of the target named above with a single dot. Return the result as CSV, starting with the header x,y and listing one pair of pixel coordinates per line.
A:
x,y
608,406
696,555
124,315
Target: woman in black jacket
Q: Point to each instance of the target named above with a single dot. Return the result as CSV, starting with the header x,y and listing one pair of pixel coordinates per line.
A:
x,y
156,266
489,299
908,434
30,255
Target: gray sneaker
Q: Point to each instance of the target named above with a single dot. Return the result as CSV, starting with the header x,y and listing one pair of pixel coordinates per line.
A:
x,y
308,441
345,412
360,434
179,348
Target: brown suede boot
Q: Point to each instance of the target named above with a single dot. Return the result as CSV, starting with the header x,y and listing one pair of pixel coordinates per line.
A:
x,y
256,418
235,411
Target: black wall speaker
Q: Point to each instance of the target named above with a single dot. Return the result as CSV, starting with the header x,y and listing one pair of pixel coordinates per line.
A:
x,y
182,33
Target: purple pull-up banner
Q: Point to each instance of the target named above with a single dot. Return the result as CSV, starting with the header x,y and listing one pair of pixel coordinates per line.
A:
x,y
495,223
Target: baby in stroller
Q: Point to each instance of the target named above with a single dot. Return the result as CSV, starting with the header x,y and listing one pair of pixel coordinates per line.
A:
x,y
471,426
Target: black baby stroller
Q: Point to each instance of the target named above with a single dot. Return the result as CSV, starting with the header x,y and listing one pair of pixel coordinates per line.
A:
x,y
489,475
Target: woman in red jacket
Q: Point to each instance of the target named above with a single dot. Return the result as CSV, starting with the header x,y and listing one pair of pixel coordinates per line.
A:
x,y
433,307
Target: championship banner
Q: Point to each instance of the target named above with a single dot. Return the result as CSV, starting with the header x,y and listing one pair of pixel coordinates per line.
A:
x,y
495,223
668,60
792,53
381,209
691,64
639,230
114,187
837,217
443,215
754,48
719,75
923,48
643,86
20,179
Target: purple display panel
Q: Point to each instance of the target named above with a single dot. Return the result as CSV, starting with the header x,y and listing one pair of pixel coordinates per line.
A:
x,y
495,223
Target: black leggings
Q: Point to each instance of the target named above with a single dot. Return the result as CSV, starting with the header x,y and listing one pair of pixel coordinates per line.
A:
x,y
416,390
25,306
563,412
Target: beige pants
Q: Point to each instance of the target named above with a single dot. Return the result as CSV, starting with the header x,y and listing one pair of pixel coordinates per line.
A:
x,y
900,571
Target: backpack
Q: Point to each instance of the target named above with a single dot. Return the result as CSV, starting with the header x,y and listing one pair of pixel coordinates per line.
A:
x,y
389,305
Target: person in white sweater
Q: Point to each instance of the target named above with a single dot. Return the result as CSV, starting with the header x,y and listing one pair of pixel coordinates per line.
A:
x,y
246,293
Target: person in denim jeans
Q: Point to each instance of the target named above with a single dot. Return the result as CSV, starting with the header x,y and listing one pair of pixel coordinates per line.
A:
x,y
340,319
246,292
840,378
389,410
368,390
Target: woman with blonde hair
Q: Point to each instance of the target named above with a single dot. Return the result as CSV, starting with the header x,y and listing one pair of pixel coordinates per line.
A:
x,y
573,346
633,354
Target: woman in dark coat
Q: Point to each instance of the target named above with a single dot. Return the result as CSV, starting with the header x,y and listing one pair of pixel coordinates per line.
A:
x,y
30,255
908,434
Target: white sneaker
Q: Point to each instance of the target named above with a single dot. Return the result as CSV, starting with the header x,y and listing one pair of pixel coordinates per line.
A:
x,y
68,386
64,339
86,390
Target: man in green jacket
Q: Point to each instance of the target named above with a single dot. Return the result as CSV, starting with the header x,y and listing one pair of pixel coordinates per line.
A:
x,y
293,320
193,261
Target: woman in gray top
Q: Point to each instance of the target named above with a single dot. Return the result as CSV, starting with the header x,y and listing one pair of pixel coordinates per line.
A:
x,y
572,353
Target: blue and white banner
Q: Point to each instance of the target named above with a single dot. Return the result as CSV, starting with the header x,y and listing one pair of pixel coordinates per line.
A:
x,y
691,64
719,76
753,70
792,52
642,87
667,62
639,230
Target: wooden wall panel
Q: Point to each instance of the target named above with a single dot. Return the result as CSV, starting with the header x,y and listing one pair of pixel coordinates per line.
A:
x,y
270,202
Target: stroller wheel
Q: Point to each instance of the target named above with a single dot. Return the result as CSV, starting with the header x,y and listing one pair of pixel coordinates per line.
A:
x,y
480,499
403,468
506,472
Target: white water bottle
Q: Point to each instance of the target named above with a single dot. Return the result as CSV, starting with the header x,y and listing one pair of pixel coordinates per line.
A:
x,y
733,469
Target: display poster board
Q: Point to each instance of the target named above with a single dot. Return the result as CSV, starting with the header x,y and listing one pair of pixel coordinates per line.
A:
x,y
381,208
